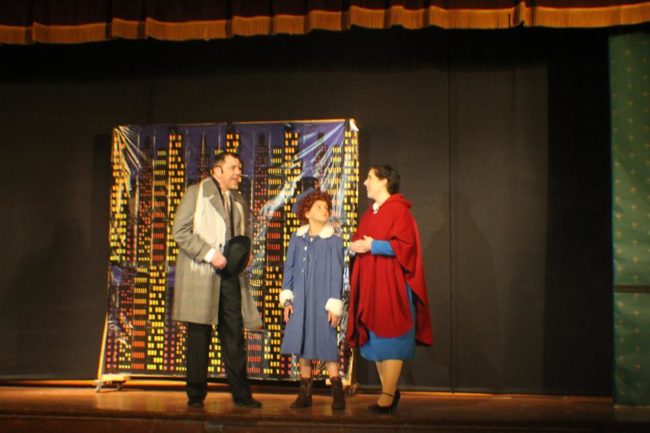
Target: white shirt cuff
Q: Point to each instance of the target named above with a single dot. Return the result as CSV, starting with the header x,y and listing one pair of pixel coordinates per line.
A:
x,y
209,255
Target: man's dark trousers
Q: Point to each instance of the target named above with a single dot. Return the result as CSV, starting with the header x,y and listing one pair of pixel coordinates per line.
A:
x,y
233,349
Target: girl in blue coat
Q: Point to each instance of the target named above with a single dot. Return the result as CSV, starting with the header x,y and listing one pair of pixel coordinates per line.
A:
x,y
311,296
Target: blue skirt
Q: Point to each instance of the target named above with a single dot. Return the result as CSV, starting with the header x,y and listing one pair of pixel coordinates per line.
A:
x,y
401,347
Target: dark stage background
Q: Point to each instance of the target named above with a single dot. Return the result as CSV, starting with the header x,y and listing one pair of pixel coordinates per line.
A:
x,y
501,137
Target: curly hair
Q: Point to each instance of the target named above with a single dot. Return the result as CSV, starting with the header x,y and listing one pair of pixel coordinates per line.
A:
x,y
308,201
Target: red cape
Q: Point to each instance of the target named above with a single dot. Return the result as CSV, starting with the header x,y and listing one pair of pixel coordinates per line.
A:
x,y
378,298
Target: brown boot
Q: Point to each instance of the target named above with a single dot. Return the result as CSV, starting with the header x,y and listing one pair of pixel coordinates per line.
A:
x,y
338,396
304,395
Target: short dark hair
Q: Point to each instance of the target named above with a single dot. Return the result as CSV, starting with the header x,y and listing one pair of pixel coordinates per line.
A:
x,y
389,173
308,201
221,158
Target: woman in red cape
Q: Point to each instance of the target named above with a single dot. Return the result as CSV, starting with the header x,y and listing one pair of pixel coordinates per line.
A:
x,y
389,309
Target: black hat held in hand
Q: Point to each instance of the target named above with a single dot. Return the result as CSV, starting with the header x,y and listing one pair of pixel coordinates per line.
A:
x,y
237,251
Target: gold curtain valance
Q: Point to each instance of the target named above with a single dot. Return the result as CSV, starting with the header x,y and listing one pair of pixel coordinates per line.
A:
x,y
77,21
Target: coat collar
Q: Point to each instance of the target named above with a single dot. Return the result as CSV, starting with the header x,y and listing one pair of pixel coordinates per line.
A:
x,y
326,232
212,193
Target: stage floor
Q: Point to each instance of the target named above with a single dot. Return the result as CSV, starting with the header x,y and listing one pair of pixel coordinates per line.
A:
x,y
162,408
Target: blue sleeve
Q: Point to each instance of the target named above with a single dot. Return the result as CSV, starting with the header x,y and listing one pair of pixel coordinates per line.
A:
x,y
382,248
336,267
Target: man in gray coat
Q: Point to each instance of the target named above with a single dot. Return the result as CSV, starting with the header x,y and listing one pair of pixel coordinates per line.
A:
x,y
205,294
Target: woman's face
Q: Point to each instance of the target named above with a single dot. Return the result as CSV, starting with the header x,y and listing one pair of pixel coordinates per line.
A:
x,y
319,212
375,186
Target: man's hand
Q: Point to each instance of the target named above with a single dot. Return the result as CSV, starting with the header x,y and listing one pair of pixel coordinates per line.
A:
x,y
219,261
333,319
288,311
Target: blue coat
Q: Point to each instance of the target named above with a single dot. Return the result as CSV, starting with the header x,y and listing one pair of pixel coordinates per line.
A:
x,y
313,274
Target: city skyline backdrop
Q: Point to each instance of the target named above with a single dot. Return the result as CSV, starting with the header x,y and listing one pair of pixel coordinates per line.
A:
x,y
152,167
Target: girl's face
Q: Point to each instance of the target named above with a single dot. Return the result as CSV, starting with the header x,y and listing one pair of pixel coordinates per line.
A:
x,y
319,213
375,186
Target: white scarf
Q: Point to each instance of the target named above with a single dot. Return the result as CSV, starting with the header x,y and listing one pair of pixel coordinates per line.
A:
x,y
210,226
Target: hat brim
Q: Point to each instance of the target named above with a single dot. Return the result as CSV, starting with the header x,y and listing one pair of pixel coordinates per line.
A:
x,y
237,252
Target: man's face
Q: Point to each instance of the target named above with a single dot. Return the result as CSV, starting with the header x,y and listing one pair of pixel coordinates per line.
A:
x,y
228,174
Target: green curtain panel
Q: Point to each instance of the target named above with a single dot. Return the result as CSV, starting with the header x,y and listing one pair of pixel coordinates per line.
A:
x,y
630,104
632,348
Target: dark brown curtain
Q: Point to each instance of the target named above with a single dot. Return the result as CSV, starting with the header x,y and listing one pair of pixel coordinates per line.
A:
x,y
76,21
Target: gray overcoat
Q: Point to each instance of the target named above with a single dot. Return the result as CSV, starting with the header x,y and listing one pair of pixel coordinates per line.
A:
x,y
196,294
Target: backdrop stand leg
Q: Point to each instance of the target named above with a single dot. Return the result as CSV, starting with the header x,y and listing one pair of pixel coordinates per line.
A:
x,y
111,379
107,379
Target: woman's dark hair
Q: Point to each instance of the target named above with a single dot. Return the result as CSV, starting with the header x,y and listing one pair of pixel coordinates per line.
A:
x,y
389,173
308,201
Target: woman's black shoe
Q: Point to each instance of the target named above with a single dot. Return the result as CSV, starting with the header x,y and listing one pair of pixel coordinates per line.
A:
x,y
396,400
392,408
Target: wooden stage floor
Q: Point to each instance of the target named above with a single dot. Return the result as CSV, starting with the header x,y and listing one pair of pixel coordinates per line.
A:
x,y
162,408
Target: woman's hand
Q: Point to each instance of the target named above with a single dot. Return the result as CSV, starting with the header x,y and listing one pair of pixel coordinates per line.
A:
x,y
333,319
288,311
362,246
